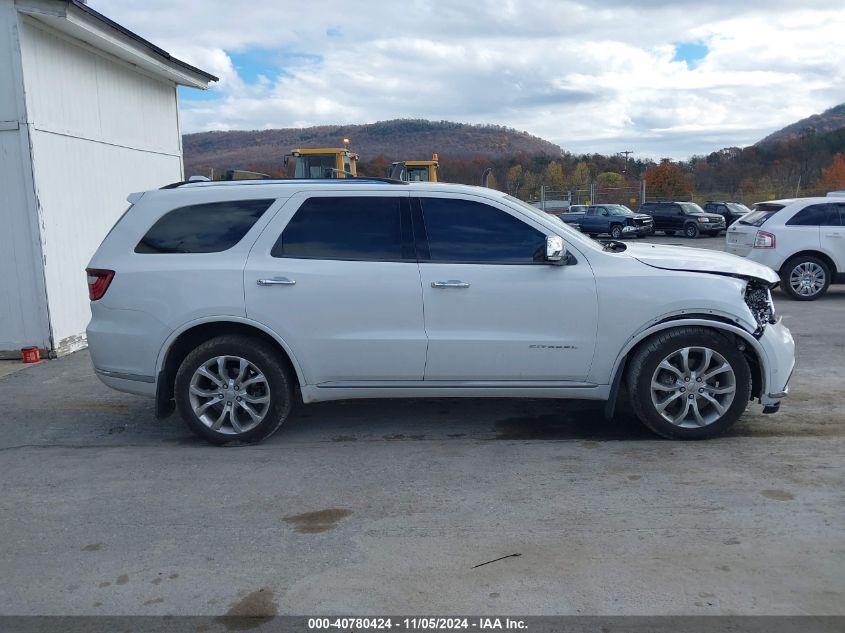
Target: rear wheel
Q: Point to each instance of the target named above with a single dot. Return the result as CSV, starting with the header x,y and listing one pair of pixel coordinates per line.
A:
x,y
233,388
691,230
805,278
689,383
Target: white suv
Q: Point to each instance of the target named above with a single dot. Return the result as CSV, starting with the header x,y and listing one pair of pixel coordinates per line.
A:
x,y
803,239
226,299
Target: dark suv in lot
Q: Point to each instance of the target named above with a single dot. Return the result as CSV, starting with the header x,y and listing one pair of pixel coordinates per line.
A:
x,y
683,217
731,211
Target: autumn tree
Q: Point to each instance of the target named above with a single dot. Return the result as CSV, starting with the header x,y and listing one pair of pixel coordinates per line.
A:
x,y
580,178
833,176
553,176
667,180
514,180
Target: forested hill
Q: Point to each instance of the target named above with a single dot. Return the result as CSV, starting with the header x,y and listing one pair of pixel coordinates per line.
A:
x,y
818,124
400,139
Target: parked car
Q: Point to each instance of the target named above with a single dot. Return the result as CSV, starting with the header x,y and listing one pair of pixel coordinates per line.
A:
x,y
731,211
686,218
225,299
615,220
803,239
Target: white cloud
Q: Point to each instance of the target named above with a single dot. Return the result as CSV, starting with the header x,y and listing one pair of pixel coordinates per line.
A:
x,y
597,77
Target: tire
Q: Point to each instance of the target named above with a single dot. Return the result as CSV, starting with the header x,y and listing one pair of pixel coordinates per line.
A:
x,y
670,233
268,390
805,278
691,231
616,231
682,417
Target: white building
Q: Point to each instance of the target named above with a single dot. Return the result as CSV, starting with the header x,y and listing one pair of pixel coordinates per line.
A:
x,y
88,114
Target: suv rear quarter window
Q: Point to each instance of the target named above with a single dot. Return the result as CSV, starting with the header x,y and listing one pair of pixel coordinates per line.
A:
x,y
203,228
816,215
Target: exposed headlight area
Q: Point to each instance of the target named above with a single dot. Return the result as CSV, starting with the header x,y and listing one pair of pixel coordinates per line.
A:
x,y
758,298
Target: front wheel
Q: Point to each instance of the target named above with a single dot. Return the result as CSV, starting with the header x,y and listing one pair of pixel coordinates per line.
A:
x,y
616,232
689,383
805,278
233,388
691,230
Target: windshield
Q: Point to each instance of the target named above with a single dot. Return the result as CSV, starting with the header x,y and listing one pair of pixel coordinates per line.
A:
x,y
761,213
736,207
691,207
315,166
574,235
619,209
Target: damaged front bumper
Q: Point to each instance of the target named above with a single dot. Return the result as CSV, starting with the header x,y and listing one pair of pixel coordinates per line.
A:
x,y
779,347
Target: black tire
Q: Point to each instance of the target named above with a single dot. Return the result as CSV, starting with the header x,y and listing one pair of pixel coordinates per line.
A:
x,y
691,231
670,233
616,231
644,364
278,380
804,260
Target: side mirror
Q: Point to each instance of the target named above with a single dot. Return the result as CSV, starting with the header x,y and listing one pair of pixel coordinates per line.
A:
x,y
555,249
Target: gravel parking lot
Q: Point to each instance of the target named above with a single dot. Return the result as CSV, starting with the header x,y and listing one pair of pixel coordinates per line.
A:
x,y
390,506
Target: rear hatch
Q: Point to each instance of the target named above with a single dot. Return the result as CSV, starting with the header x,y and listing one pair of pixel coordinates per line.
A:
x,y
740,236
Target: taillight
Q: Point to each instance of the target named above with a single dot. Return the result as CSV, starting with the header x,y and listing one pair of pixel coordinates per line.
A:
x,y
764,240
98,282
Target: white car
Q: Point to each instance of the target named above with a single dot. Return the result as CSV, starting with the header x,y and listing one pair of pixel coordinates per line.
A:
x,y
802,238
227,299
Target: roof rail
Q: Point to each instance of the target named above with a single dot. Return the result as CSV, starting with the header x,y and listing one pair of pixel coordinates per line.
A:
x,y
361,179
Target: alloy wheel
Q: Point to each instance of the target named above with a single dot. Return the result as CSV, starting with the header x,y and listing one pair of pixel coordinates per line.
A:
x,y
807,279
229,394
693,387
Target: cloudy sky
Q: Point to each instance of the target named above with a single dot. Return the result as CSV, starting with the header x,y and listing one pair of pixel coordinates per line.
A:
x,y
657,77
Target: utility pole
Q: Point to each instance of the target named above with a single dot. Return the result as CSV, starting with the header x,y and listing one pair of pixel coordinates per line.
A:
x,y
626,154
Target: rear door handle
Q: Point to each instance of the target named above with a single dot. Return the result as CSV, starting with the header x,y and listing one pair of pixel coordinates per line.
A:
x,y
276,281
833,234
451,283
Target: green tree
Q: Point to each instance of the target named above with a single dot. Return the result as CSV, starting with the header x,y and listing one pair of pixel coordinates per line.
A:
x,y
610,179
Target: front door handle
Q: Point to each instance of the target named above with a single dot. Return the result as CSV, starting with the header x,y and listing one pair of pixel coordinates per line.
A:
x,y
276,281
451,283
833,234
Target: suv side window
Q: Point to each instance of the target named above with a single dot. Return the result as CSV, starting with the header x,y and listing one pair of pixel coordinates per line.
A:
x,y
203,228
814,215
345,228
467,231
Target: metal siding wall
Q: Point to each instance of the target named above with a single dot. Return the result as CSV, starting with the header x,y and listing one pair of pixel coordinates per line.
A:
x,y
74,91
23,304
82,189
23,319
100,130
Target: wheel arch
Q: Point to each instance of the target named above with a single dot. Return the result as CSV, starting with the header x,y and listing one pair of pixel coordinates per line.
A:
x,y
182,340
751,349
827,259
